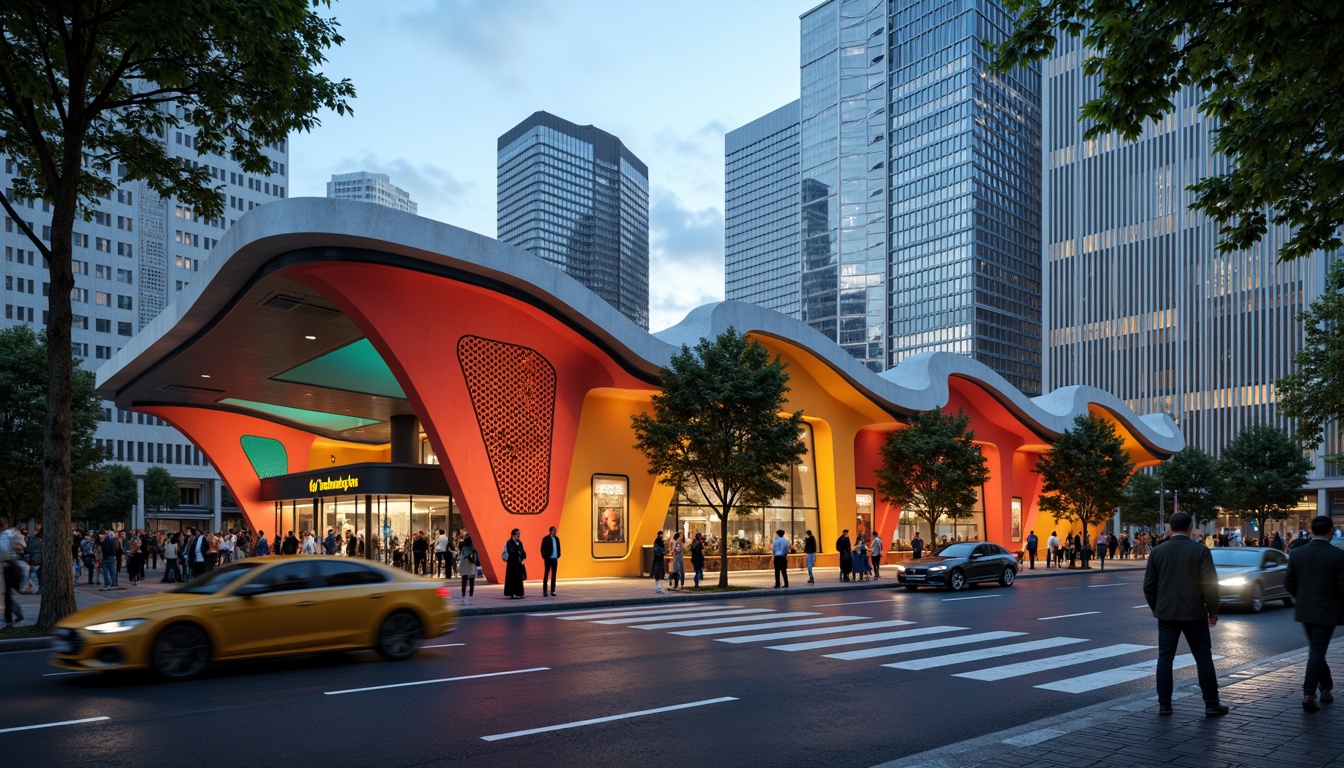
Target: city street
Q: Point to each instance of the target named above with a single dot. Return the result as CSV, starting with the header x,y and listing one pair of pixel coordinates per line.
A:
x,y
854,678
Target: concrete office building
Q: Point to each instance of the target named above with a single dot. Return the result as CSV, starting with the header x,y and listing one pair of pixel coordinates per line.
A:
x,y
137,254
762,241
368,187
1139,300
578,198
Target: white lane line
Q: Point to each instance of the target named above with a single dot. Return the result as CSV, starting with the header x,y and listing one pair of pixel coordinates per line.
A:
x,y
679,616
857,602
1067,615
1115,584
63,674
440,680
1053,662
1107,677
770,625
925,645
643,610
444,645
608,719
1145,605
53,725
814,632
977,597
722,620
983,654
835,641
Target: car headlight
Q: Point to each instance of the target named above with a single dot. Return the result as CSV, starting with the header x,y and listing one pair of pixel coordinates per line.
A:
x,y
1235,581
938,569
113,627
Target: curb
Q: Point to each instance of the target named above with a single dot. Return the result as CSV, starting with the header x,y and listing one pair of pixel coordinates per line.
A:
x,y
25,644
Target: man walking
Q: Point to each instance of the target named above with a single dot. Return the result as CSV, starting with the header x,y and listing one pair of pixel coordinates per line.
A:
x,y
11,549
877,556
1181,587
810,554
1316,578
329,543
1032,544
781,549
550,559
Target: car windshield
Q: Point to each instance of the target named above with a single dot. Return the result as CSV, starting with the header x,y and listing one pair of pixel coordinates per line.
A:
x,y
1231,557
212,582
960,549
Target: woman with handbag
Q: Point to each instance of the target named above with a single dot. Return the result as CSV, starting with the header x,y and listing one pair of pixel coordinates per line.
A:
x,y
678,578
469,565
515,573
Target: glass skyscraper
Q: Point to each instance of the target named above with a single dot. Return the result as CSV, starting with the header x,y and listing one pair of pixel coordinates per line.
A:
x,y
761,242
919,186
576,197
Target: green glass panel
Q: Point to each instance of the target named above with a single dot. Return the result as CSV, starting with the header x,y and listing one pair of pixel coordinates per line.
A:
x,y
335,422
267,456
356,367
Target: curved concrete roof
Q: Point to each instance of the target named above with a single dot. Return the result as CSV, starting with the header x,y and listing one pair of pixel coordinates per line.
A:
x,y
323,228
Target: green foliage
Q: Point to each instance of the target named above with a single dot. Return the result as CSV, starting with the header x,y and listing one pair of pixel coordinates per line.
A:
x,y
116,496
1083,477
1269,72
1263,471
717,427
1193,479
161,491
1314,393
23,402
933,468
1141,505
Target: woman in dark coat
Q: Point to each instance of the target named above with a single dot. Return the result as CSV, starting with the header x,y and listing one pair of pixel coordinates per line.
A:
x,y
515,573
659,567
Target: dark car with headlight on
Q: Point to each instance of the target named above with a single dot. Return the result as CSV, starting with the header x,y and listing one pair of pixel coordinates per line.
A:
x,y
1251,575
959,564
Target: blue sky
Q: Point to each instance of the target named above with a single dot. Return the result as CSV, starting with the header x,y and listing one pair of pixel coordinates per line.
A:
x,y
440,80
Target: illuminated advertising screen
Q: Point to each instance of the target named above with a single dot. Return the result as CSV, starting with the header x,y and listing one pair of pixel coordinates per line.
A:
x,y
611,515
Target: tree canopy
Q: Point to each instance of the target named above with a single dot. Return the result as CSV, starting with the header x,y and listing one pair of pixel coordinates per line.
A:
x,y
933,468
718,425
1193,479
116,497
90,91
1142,505
1270,73
1083,477
1263,471
1314,392
161,490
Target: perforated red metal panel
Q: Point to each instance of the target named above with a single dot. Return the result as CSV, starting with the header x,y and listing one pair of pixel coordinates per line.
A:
x,y
512,391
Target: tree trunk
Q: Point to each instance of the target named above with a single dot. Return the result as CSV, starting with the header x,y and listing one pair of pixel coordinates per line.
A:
x,y
723,547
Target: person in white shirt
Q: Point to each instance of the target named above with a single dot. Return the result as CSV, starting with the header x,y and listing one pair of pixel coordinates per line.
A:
x,y
781,549
1052,550
877,556
442,566
309,543
226,547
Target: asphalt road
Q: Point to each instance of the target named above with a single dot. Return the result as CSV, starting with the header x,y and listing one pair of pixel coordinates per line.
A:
x,y
519,689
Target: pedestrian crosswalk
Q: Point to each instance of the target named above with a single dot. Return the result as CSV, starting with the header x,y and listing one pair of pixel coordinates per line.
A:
x,y
857,638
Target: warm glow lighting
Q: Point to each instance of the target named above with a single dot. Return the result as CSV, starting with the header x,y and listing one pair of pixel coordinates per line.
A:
x,y
310,338
205,375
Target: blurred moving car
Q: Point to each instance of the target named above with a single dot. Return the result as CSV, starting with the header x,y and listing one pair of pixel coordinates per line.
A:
x,y
1251,575
261,606
959,564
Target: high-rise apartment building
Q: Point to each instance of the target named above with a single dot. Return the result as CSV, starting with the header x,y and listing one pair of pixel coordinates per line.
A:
x,y
368,187
1140,302
137,253
919,186
577,197
762,244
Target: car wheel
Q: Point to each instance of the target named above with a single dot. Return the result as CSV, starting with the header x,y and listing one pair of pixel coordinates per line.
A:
x,y
399,636
180,652
1257,601
911,587
1008,577
956,580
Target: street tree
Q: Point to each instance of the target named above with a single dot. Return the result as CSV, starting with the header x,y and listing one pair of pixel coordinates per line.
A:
x,y
90,90
1141,505
718,425
1268,75
116,496
933,468
1193,479
1314,392
1263,471
161,490
1083,477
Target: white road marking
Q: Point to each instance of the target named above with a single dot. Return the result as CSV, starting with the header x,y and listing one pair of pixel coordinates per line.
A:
x,y
440,680
444,645
53,725
1053,662
831,643
1106,677
770,625
857,602
608,719
1067,615
642,610
1115,584
1145,605
722,620
977,597
62,674
814,632
983,654
678,616
925,645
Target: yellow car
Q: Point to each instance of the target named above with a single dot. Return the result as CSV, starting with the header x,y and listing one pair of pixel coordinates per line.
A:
x,y
261,606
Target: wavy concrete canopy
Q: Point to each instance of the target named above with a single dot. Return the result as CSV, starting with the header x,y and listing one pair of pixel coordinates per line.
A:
x,y
318,322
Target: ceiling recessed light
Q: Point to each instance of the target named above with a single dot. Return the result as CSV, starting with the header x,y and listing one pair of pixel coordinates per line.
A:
x,y
310,338
205,375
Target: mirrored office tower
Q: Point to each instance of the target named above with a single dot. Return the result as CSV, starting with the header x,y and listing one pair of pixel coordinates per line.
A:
x,y
576,197
761,238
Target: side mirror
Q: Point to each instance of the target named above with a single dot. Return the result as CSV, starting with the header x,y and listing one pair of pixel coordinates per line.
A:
x,y
250,590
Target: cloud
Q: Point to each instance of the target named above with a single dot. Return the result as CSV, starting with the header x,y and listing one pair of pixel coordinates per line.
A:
x,y
486,33
435,189
686,258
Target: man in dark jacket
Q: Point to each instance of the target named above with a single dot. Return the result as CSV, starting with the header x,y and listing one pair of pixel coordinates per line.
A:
x,y
1181,587
1316,578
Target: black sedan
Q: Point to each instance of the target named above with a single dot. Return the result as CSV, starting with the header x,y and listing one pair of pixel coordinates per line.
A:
x,y
959,564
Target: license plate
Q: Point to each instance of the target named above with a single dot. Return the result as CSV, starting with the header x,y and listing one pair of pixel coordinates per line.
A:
x,y
63,646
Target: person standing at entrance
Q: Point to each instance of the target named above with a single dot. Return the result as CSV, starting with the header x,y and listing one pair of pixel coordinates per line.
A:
x,y
1032,544
916,547
877,556
698,557
468,561
1052,550
1316,578
843,547
810,553
781,548
550,558
1181,587
515,573
329,543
